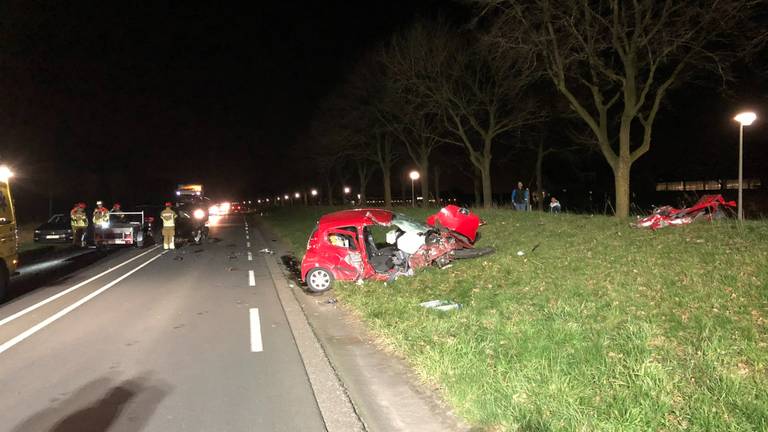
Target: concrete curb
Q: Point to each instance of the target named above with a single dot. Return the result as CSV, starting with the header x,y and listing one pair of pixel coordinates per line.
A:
x,y
335,405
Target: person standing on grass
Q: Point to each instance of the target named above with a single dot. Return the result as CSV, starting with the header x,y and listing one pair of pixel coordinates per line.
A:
x,y
520,197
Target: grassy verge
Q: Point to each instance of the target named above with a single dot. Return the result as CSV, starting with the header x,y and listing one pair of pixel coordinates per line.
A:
x,y
601,327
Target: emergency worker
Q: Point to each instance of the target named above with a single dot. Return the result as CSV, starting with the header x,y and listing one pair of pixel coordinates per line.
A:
x,y
116,210
79,222
169,226
100,215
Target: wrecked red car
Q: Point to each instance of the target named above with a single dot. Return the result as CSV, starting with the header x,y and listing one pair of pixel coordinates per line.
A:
x,y
708,207
342,246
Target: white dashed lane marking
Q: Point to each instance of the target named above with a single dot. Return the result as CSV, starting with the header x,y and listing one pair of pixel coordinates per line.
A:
x,y
256,345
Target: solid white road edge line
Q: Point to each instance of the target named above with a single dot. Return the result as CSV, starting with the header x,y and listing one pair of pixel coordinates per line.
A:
x,y
250,256
256,345
251,278
42,324
69,290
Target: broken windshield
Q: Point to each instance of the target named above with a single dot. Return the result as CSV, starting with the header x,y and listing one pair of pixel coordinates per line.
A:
x,y
408,224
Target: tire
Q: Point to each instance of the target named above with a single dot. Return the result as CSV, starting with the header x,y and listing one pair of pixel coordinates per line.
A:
x,y
139,240
4,281
197,237
472,253
319,280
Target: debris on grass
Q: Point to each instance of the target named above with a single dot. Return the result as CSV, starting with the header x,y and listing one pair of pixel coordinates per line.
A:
x,y
520,253
441,305
267,251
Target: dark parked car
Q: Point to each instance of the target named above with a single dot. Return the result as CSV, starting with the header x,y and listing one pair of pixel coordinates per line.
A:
x,y
58,229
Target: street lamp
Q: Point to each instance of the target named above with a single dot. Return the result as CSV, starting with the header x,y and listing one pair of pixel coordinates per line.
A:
x,y
297,195
414,175
347,190
5,174
314,192
744,119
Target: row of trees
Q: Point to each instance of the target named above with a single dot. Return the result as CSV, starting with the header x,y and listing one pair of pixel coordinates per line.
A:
x,y
476,85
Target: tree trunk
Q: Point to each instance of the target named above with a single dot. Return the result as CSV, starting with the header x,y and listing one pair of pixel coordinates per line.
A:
x,y
424,168
539,177
477,187
487,189
386,174
621,182
329,188
437,186
363,176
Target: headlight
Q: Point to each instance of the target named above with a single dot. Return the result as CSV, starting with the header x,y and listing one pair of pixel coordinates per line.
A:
x,y
199,214
37,231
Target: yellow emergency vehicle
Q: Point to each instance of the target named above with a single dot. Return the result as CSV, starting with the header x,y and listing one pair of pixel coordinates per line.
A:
x,y
9,241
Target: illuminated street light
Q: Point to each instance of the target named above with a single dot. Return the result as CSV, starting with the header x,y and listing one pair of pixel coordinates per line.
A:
x,y
744,119
5,173
314,192
414,175
347,189
297,195
287,197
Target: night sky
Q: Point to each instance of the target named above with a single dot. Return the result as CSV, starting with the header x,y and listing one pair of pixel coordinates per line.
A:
x,y
119,101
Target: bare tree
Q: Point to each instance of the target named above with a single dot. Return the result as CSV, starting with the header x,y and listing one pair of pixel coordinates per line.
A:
x,y
615,60
410,59
483,98
386,157
476,96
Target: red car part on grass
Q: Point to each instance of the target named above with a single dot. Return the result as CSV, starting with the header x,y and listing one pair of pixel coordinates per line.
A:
x,y
342,248
708,207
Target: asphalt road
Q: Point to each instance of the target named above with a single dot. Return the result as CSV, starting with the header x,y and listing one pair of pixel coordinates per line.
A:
x,y
140,340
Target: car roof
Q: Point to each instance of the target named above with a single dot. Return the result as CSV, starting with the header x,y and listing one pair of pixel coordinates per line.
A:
x,y
366,216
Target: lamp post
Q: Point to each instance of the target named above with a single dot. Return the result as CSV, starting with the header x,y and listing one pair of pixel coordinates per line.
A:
x,y
314,196
414,175
744,119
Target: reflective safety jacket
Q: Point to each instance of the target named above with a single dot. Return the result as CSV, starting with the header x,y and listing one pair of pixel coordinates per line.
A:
x,y
168,216
100,215
78,218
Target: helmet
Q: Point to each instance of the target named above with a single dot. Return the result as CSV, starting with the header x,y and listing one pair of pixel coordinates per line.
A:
x,y
99,203
81,204
168,204
116,205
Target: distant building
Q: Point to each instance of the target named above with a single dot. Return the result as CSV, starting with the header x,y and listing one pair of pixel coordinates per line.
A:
x,y
707,185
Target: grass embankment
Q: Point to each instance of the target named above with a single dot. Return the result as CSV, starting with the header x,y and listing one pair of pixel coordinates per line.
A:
x,y
602,327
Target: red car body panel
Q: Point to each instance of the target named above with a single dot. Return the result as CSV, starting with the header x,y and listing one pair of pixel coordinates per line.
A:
x,y
352,263
457,219
707,207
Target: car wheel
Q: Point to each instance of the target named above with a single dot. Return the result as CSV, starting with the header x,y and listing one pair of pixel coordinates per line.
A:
x,y
319,280
3,282
198,236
